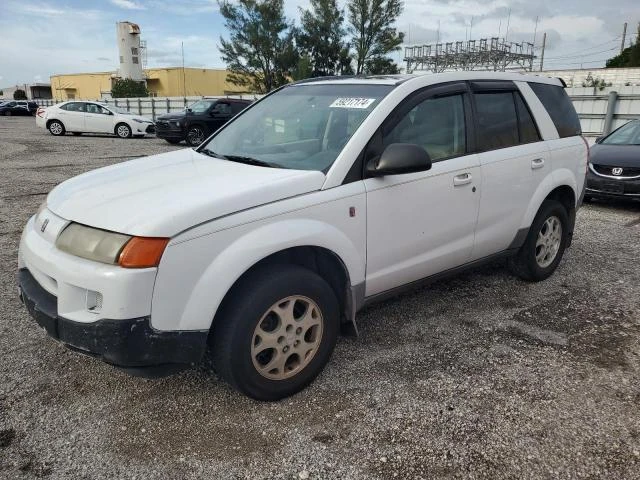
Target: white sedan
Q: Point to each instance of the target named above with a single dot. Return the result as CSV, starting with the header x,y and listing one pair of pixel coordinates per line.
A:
x,y
92,117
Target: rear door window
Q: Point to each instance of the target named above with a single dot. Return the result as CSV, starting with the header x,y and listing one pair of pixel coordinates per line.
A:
x,y
497,120
528,129
560,109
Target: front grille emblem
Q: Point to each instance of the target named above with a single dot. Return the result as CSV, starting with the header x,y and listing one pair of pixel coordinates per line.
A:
x,y
616,171
44,225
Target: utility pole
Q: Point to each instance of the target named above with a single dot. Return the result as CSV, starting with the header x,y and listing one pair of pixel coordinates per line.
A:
x,y
184,84
544,43
624,35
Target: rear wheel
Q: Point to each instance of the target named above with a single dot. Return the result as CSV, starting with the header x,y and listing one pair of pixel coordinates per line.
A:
x,y
195,135
56,127
123,130
276,332
546,241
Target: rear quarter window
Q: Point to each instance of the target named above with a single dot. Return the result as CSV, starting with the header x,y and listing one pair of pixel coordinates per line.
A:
x,y
560,109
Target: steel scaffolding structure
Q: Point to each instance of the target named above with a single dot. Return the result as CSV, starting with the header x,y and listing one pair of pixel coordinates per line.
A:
x,y
494,54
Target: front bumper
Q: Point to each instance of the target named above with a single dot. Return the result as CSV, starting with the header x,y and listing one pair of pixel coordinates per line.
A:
x,y
167,131
598,186
131,344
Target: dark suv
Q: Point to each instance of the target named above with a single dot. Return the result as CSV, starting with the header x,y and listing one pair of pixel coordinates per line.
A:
x,y
199,120
18,107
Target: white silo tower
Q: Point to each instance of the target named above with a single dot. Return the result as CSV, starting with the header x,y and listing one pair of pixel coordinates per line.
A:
x,y
129,49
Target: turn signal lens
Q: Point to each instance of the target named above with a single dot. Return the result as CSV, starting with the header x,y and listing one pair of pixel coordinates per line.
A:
x,y
142,252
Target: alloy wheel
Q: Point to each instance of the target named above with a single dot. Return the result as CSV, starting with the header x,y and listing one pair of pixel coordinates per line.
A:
x,y
55,128
123,131
287,337
548,242
195,136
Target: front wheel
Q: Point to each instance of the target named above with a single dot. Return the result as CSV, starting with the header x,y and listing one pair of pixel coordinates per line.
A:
x,y
123,130
195,135
276,332
546,241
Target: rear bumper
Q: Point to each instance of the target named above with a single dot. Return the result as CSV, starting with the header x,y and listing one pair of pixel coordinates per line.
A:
x,y
131,344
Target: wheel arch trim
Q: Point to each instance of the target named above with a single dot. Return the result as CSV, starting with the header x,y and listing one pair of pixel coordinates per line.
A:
x,y
199,301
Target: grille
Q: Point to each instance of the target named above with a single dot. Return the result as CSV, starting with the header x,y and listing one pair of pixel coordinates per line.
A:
x,y
626,171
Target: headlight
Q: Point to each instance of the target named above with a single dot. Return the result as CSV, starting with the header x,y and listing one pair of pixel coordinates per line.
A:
x,y
110,247
177,124
92,243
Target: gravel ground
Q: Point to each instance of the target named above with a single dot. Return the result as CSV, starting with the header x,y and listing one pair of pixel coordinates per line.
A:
x,y
481,376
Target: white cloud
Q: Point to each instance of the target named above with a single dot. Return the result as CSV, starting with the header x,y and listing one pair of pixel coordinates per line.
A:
x,y
128,4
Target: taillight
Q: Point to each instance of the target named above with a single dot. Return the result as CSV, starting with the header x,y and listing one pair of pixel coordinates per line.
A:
x,y
40,112
586,144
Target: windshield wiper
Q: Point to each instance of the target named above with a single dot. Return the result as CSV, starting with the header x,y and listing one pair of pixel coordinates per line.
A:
x,y
240,159
250,161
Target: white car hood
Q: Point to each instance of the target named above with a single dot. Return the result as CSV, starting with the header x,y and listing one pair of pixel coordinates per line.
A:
x,y
162,195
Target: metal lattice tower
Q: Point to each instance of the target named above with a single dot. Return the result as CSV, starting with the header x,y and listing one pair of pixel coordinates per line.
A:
x,y
494,54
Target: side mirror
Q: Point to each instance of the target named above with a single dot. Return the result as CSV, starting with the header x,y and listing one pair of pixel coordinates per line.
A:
x,y
399,158
599,139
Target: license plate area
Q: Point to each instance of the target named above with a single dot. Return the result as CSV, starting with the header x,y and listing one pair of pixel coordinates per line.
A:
x,y
613,187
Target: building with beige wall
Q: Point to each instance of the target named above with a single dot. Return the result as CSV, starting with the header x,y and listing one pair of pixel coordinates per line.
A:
x,y
161,82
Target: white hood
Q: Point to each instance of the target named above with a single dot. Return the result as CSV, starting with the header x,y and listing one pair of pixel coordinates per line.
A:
x,y
162,195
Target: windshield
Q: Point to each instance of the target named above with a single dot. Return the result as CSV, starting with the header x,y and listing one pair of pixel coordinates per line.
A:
x,y
302,127
201,106
628,134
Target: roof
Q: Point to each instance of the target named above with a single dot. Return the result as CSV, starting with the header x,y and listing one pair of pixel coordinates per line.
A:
x,y
433,78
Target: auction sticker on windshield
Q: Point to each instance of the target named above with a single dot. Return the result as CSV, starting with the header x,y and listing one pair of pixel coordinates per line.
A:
x,y
352,102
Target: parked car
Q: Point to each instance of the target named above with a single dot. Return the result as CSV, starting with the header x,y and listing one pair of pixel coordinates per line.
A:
x,y
93,117
320,198
200,120
18,107
614,164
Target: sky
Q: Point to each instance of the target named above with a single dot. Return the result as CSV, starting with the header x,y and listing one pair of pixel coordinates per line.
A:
x,y
45,37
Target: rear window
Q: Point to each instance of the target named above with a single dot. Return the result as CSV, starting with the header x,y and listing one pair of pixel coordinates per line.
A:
x,y
560,108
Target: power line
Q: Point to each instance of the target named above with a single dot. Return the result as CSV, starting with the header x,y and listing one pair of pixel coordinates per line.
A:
x,y
590,53
592,47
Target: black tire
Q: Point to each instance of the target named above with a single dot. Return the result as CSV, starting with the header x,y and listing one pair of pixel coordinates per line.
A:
x,y
122,130
56,127
524,263
587,199
251,298
7,113
173,141
196,134
77,134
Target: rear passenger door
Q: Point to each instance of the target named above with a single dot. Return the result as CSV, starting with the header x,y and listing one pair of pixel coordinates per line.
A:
x,y
513,159
72,116
420,224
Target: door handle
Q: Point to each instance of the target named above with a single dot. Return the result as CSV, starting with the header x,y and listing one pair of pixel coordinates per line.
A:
x,y
537,163
462,179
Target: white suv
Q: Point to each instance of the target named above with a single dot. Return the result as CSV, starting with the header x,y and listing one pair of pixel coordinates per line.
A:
x,y
92,117
263,243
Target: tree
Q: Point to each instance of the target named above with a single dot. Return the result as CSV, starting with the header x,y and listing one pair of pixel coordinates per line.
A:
x,y
19,94
260,52
320,36
629,57
371,24
127,88
381,66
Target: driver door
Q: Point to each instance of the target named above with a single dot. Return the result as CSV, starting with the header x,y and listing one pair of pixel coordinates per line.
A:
x,y
420,224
